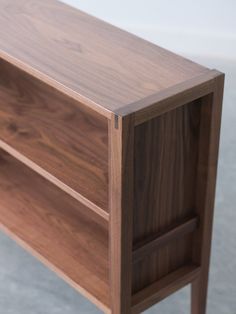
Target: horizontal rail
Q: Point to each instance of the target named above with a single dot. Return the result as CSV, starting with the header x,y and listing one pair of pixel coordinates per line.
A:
x,y
160,240
171,98
164,287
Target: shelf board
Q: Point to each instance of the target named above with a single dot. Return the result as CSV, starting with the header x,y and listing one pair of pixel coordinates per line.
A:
x,y
48,176
64,234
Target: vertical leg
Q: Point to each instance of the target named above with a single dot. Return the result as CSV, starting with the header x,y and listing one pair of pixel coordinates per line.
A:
x,y
121,134
207,168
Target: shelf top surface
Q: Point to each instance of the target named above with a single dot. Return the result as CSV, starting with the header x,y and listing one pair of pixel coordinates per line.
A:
x,y
89,59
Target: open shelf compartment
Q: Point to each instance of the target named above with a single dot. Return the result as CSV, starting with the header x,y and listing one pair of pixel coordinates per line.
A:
x,y
63,233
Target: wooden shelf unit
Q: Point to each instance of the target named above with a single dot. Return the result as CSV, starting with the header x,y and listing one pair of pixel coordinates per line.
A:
x,y
108,156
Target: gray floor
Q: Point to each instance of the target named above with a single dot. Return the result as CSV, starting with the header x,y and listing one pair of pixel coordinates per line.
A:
x,y
27,287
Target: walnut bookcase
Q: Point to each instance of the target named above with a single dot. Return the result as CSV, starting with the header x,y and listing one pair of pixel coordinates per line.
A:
x,y
108,156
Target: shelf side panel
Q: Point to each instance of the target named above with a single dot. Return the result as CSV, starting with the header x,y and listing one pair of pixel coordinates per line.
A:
x,y
166,152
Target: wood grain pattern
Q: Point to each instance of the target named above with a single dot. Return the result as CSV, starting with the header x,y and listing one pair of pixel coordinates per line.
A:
x,y
96,63
175,232
164,287
108,155
205,195
57,229
57,133
166,151
121,212
171,98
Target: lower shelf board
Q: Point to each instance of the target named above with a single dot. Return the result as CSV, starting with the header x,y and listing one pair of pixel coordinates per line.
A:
x,y
61,232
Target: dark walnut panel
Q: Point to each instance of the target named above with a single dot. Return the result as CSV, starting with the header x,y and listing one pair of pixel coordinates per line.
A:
x,y
56,132
166,152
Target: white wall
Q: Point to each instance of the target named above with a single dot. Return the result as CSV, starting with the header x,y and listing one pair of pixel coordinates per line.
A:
x,y
190,27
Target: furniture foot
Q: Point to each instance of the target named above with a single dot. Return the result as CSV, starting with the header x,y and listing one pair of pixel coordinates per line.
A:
x,y
199,295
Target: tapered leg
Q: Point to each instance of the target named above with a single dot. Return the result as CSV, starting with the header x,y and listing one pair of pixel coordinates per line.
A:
x,y
199,296
206,182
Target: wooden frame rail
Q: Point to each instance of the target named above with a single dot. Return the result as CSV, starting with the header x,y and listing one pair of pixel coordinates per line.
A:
x,y
174,233
164,287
